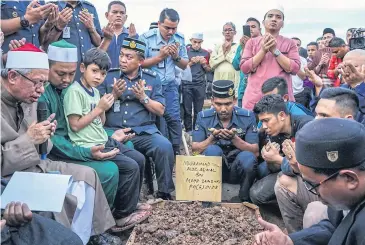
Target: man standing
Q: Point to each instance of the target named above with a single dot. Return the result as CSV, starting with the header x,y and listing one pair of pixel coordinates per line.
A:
x,y
222,57
165,49
328,34
269,56
117,16
255,31
23,83
339,50
137,103
230,132
194,92
81,27
332,163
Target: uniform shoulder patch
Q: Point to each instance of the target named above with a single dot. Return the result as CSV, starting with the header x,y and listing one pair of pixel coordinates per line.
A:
x,y
150,33
149,72
208,113
242,112
87,2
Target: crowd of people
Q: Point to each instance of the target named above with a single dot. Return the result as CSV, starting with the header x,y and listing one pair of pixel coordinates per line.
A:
x,y
287,121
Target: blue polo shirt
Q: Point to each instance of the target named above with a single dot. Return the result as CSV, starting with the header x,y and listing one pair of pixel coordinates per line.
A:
x,y
15,9
243,120
154,41
115,47
128,111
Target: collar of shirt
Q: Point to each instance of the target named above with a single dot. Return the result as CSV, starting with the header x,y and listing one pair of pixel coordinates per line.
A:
x,y
139,75
359,88
233,121
65,4
8,99
161,40
194,50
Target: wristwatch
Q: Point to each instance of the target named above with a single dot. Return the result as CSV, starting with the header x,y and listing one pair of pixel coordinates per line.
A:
x,y
277,52
146,100
24,22
177,59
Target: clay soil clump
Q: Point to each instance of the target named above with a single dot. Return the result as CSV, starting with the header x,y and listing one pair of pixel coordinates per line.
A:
x,y
185,223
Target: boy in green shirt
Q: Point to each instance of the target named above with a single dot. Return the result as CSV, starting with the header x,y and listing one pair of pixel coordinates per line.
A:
x,y
85,113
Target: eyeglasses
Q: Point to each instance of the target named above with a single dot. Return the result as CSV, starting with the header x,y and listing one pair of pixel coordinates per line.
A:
x,y
37,84
313,187
167,28
228,30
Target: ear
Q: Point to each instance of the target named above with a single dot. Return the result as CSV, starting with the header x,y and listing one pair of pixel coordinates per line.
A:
x,y
82,68
351,178
349,117
286,97
12,77
106,15
281,116
126,17
282,26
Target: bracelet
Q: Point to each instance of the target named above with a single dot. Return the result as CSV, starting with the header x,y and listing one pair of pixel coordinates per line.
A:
x,y
57,29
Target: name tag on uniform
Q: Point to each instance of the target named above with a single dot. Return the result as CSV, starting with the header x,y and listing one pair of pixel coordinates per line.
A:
x,y
161,64
116,107
66,32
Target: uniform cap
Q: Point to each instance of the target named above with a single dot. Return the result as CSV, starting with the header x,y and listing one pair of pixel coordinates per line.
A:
x,y
331,143
222,89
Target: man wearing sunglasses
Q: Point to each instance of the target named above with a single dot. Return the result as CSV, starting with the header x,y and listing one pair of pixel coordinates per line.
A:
x,y
332,163
165,49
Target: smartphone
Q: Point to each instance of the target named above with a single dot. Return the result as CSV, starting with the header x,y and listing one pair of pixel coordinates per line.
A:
x,y
247,30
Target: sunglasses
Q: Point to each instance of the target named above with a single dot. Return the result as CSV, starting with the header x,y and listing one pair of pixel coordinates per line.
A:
x,y
313,187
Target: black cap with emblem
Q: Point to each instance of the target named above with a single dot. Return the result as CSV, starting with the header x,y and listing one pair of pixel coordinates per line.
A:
x,y
134,44
331,143
222,89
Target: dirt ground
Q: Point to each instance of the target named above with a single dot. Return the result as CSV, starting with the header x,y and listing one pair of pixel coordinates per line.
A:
x,y
181,223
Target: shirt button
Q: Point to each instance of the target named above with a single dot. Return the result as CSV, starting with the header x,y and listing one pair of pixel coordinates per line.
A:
x,y
126,113
32,25
82,45
125,121
82,37
14,7
127,97
79,30
33,35
78,23
126,104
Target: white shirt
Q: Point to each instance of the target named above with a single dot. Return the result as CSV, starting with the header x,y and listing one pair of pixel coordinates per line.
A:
x,y
297,82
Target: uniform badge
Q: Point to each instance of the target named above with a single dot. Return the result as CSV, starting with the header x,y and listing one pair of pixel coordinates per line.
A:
x,y
239,131
230,92
15,14
132,44
332,156
85,10
196,127
254,129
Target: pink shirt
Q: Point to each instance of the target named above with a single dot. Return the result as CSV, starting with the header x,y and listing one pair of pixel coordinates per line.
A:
x,y
268,68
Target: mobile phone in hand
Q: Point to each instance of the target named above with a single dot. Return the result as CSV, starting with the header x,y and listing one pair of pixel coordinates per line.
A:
x,y
247,30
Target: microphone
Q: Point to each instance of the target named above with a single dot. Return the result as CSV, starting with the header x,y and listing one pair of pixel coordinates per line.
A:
x,y
42,116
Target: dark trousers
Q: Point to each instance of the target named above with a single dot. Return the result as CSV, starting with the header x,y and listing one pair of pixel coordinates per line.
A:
x,y
262,191
131,165
39,231
241,171
170,124
160,150
193,96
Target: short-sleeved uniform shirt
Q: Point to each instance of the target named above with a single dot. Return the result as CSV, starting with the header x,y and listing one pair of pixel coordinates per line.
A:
x,y
16,9
81,101
128,111
243,121
154,41
75,32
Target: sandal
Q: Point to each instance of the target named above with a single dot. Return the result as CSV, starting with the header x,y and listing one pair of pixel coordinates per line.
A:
x,y
130,221
144,207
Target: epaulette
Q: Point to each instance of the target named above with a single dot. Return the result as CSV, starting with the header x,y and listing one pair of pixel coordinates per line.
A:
x,y
242,112
150,33
89,3
149,72
179,34
208,113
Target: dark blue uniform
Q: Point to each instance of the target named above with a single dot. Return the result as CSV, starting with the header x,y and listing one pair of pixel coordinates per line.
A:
x,y
360,92
129,112
17,9
75,32
238,166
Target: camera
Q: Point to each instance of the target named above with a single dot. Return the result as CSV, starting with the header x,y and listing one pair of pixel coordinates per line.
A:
x,y
357,40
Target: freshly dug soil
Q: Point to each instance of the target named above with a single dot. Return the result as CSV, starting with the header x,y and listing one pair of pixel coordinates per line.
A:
x,y
190,223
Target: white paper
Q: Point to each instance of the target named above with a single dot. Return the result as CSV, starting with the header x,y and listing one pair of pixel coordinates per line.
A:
x,y
41,192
